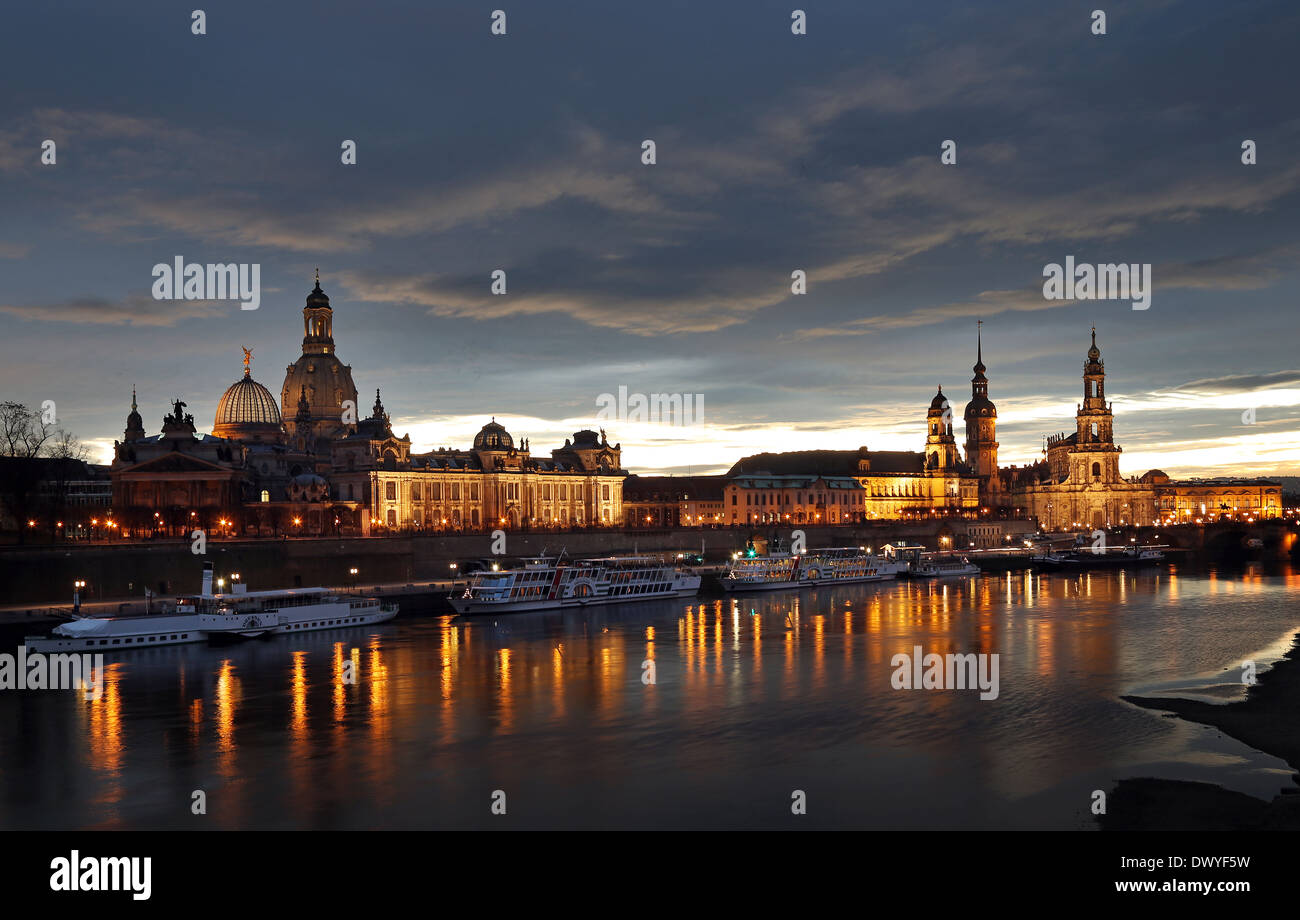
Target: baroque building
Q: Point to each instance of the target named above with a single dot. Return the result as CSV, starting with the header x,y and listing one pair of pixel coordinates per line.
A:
x,y
495,484
1078,484
306,464
318,399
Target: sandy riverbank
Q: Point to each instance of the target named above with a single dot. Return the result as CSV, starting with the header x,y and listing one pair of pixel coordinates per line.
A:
x,y
1268,719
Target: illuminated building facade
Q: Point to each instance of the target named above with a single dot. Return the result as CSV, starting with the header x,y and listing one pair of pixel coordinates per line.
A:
x,y
306,464
1078,483
496,484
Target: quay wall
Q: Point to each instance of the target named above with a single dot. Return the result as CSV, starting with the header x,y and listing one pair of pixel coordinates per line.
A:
x,y
44,574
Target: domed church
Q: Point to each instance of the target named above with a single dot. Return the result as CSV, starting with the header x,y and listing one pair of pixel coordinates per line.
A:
x,y
319,381
310,465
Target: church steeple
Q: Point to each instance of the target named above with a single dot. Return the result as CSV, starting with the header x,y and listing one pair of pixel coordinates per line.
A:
x,y
134,423
1095,457
317,322
979,384
981,424
940,444
320,377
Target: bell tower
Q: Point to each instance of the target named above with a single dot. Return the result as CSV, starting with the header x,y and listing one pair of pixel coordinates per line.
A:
x,y
981,421
940,445
317,323
1095,457
320,380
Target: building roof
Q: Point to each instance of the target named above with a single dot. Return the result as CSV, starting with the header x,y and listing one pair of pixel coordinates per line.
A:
x,y
801,462
673,488
245,403
493,436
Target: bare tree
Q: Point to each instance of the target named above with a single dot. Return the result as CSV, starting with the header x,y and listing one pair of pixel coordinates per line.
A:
x,y
63,445
22,431
35,454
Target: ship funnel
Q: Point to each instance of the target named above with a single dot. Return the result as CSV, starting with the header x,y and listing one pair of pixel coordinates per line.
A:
x,y
207,579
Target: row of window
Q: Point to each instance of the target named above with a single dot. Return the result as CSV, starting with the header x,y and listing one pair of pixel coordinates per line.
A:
x,y
343,622
173,637
621,590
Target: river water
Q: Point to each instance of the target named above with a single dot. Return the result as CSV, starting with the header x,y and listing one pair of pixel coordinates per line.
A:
x,y
552,718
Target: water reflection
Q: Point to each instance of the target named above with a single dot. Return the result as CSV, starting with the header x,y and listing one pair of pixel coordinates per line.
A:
x,y
412,724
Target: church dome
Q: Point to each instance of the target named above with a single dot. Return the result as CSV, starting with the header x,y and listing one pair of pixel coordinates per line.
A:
x,y
940,402
319,379
493,436
316,297
247,411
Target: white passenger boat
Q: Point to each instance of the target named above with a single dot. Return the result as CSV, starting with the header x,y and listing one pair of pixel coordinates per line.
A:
x,y
832,566
545,584
217,617
763,573
846,565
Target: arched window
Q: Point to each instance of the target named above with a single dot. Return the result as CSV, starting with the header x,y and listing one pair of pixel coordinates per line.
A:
x,y
266,496
1096,471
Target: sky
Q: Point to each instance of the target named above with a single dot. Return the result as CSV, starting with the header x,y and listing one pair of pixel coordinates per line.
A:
x,y
775,153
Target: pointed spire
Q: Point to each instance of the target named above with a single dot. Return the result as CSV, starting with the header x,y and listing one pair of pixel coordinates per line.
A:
x,y
133,405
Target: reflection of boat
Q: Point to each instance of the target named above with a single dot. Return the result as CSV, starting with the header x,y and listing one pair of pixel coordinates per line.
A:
x,y
219,617
544,584
937,565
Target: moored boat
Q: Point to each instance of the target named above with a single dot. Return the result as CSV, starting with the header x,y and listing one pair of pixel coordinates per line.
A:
x,y
207,616
1102,558
847,565
943,565
544,584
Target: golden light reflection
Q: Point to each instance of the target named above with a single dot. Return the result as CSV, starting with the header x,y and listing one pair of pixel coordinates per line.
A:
x,y
105,732
377,680
227,696
298,697
505,696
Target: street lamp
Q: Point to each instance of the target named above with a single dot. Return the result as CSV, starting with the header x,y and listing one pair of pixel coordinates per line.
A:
x,y
76,595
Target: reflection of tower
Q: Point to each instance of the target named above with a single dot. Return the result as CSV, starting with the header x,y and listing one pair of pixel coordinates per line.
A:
x,y
1095,458
940,445
319,375
981,425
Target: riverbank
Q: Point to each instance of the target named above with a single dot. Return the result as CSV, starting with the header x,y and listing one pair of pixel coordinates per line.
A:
x,y
1265,720
44,576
